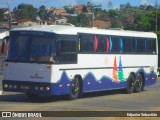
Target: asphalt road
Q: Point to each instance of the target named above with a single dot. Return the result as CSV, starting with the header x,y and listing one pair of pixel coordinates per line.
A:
x,y
147,100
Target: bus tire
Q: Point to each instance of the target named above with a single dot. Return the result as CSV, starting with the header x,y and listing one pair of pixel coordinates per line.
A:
x,y
138,84
74,89
130,84
32,96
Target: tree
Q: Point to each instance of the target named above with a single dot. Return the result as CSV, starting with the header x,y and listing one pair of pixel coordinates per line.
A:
x,y
128,5
81,20
25,11
112,13
116,23
146,22
67,8
42,12
150,8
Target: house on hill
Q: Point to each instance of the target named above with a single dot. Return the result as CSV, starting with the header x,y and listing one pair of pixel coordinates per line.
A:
x,y
103,24
78,8
27,22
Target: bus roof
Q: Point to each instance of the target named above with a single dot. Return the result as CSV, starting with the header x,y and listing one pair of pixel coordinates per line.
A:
x,y
72,30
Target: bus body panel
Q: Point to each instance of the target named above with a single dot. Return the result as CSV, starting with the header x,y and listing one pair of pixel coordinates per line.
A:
x,y
27,72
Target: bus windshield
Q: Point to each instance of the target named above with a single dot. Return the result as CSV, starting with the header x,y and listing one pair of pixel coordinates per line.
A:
x,y
32,47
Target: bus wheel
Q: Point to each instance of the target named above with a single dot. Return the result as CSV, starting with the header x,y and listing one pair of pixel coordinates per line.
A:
x,y
75,89
138,84
130,84
32,96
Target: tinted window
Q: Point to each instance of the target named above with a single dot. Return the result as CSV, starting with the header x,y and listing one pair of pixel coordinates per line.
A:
x,y
68,46
129,44
86,43
151,46
115,44
101,43
141,45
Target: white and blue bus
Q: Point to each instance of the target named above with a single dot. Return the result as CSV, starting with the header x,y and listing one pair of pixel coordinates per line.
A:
x,y
68,60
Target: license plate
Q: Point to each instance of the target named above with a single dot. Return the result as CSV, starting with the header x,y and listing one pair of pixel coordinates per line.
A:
x,y
25,87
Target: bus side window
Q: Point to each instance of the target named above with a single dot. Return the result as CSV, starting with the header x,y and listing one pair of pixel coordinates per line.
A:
x,y
151,46
115,44
87,43
68,51
136,45
129,45
101,43
141,45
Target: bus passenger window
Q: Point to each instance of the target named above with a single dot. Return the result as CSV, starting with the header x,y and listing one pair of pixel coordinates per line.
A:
x,y
115,44
87,43
141,45
68,51
68,46
151,46
101,43
129,44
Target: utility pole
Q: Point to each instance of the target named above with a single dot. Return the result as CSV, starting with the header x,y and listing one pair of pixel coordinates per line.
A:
x,y
93,6
156,17
10,16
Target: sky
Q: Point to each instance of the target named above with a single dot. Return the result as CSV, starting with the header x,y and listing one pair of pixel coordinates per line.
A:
x,y
61,3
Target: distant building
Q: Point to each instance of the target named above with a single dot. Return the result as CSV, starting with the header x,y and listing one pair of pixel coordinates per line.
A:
x,y
50,10
78,8
27,22
62,20
59,11
46,22
56,11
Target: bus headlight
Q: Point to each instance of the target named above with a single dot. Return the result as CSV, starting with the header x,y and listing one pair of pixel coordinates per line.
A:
x,y
41,88
10,86
36,88
47,88
5,85
15,86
